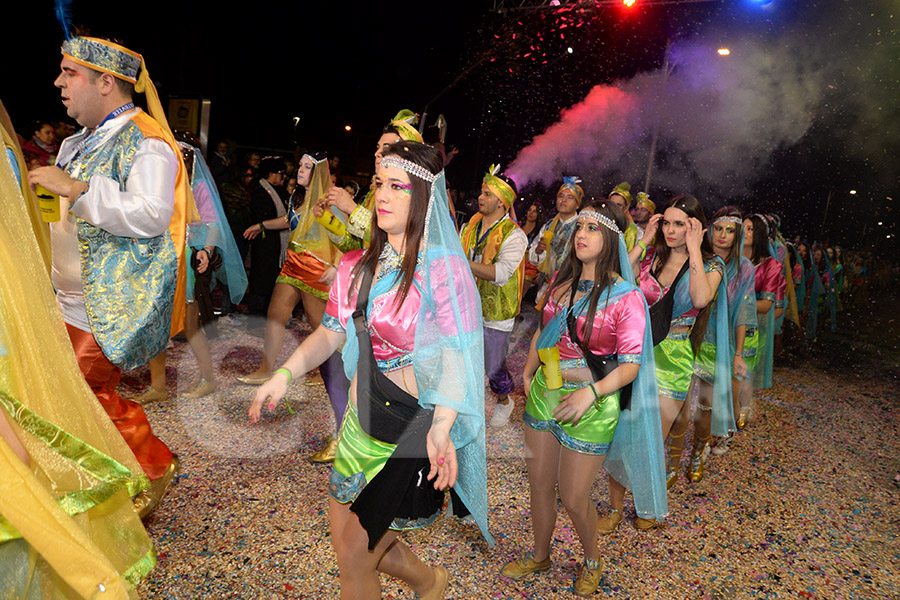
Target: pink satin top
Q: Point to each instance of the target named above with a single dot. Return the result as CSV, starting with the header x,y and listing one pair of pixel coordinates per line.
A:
x,y
617,329
654,291
391,328
770,281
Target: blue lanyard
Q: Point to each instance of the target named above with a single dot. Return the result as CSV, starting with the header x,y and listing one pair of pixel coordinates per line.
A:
x,y
115,114
481,238
78,150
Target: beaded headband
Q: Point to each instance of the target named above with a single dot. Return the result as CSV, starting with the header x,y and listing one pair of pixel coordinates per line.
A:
x,y
764,221
603,219
729,219
314,159
410,167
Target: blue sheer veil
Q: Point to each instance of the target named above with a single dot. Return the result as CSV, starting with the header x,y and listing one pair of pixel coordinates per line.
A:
x,y
830,294
762,376
448,357
722,406
801,287
741,291
213,230
812,320
635,457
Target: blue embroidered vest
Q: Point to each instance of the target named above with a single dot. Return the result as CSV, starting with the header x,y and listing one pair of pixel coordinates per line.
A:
x,y
129,283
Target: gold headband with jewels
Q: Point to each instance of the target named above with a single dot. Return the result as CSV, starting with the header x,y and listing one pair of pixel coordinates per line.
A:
x,y
498,187
104,56
643,199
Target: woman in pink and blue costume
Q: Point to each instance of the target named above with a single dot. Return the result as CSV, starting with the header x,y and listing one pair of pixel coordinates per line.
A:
x,y
814,289
701,287
409,316
726,238
770,287
829,297
598,322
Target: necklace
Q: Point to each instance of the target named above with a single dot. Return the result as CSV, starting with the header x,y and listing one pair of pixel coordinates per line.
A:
x,y
389,261
584,285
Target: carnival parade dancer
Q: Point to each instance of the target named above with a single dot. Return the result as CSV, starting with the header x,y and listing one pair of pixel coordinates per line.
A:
x,y
594,342
359,222
799,274
214,256
778,249
828,300
770,285
552,242
694,276
118,249
726,237
67,524
814,290
495,247
308,272
409,316
621,197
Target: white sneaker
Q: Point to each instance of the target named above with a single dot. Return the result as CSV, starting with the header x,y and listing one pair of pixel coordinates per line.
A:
x,y
721,447
502,412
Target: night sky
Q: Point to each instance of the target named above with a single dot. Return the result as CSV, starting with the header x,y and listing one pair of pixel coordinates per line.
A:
x,y
809,104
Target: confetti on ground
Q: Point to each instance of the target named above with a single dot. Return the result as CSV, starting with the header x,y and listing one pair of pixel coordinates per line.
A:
x,y
802,506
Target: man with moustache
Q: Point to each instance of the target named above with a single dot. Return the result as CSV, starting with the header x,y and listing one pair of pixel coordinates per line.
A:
x,y
495,247
643,209
551,245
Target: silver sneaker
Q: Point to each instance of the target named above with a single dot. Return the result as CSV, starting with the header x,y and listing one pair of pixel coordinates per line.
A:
x,y
722,443
501,413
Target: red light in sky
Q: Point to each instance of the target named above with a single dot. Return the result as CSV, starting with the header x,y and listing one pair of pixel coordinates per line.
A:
x,y
628,2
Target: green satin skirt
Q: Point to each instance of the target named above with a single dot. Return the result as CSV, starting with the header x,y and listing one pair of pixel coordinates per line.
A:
x,y
594,431
751,350
674,366
705,362
358,459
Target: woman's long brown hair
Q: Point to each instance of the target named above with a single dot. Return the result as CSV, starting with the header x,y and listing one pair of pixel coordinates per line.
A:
x,y
692,207
607,269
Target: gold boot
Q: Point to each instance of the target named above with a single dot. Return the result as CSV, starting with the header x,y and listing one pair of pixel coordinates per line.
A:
x,y
743,419
326,454
441,579
698,459
147,500
674,449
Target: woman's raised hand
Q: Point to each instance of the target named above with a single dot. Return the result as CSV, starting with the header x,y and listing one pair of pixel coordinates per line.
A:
x,y
695,232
